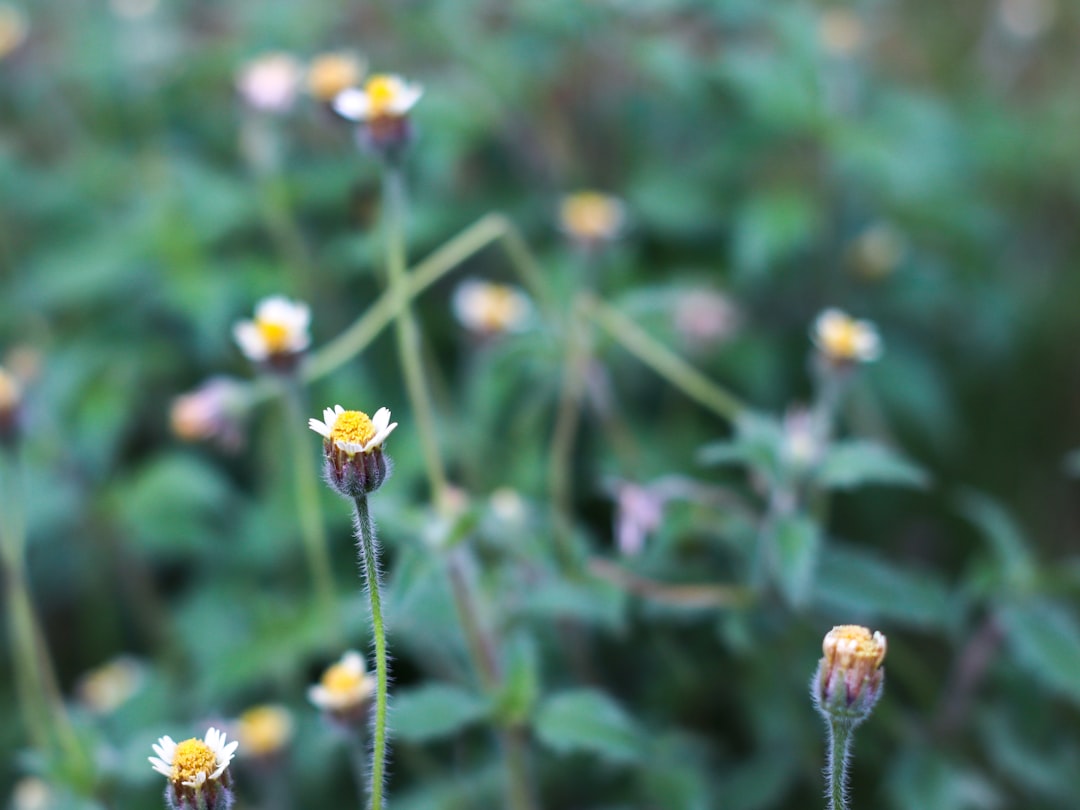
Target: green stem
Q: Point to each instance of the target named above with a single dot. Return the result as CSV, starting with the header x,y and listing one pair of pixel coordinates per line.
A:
x,y
836,768
369,566
408,335
305,480
664,361
515,746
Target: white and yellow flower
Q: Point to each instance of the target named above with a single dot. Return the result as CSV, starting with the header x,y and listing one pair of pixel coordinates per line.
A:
x,y
490,309
105,689
354,432
270,83
264,730
345,687
591,217
384,95
193,763
330,74
279,330
32,793
841,339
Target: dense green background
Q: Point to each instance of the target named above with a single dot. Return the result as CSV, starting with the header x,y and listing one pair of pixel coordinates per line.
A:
x,y
751,158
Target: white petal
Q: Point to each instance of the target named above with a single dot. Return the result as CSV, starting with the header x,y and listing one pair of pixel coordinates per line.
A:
x,y
319,428
329,417
199,779
164,768
354,662
407,96
351,448
338,410
380,437
165,748
352,104
318,696
250,341
381,419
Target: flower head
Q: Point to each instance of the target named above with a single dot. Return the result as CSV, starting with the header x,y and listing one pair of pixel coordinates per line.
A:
x,y
704,317
591,218
842,340
13,29
32,793
878,251
264,730
382,106
345,688
330,74
849,677
279,333
270,82
214,410
352,442
490,309
105,689
197,770
11,395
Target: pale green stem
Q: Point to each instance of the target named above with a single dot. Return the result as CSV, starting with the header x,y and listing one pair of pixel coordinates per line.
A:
x,y
664,362
836,768
305,480
515,746
567,421
369,567
408,335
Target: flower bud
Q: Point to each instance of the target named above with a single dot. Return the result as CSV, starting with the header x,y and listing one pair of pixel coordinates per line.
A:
x,y
352,443
849,679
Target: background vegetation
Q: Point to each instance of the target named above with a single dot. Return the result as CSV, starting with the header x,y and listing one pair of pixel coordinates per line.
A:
x,y
914,163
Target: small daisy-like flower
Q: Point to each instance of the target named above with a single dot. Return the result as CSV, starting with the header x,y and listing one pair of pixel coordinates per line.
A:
x,y
32,793
105,689
197,770
270,82
352,441
843,340
330,74
264,731
491,309
11,395
214,411
13,29
850,678
278,335
382,107
591,218
345,689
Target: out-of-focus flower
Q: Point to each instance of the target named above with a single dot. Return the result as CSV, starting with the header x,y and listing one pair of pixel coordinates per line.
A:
x,y
849,677
14,29
270,83
591,218
213,411
31,793
842,340
11,395
279,333
382,107
264,731
841,32
345,689
352,442
133,9
638,512
802,446
330,74
704,317
197,770
1027,19
877,251
107,688
508,505
491,309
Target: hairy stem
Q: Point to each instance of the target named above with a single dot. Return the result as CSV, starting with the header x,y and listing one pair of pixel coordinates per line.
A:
x,y
836,767
369,568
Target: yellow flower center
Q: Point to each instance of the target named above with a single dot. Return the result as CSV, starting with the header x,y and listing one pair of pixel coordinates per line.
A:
x,y
10,391
591,215
264,729
274,334
354,427
850,645
498,309
381,91
331,73
842,338
342,680
193,757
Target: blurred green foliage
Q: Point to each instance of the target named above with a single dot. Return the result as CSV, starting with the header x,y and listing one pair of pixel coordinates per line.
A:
x,y
913,163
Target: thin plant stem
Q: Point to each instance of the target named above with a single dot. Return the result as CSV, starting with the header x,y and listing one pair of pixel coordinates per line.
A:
x,y
369,567
664,362
515,747
836,767
358,763
305,479
408,335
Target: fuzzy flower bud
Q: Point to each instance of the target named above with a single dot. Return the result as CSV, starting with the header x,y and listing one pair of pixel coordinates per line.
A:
x,y
352,442
849,678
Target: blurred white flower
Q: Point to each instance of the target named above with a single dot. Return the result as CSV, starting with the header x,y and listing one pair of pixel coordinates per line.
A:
x,y
264,730
32,793
1027,19
508,505
489,309
802,446
214,410
105,689
270,82
638,512
280,330
590,217
384,95
192,763
704,317
842,339
345,687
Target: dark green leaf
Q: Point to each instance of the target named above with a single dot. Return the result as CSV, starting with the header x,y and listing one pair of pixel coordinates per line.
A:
x,y
1045,638
853,464
435,710
588,720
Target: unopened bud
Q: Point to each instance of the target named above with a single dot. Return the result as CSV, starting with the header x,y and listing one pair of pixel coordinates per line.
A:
x,y
849,678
